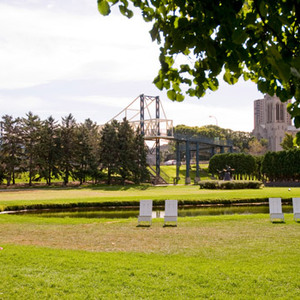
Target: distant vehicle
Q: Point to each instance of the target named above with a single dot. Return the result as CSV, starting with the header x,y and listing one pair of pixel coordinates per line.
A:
x,y
170,162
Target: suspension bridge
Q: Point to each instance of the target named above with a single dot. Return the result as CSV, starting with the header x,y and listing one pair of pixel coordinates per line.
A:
x,y
148,114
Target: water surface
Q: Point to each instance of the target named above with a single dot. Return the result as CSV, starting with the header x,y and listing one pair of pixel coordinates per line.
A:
x,y
118,213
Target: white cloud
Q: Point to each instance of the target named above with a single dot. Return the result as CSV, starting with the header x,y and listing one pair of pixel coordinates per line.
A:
x,y
53,54
43,45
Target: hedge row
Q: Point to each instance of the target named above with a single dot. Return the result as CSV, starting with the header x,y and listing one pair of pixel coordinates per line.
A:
x,y
243,164
230,185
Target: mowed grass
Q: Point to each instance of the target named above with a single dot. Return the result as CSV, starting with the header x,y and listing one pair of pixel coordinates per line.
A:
x,y
21,198
171,172
217,257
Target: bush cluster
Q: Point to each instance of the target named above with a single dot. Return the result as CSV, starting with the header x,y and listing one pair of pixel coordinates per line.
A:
x,y
229,185
243,164
282,165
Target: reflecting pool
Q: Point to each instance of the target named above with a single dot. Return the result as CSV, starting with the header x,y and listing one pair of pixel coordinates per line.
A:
x,y
158,212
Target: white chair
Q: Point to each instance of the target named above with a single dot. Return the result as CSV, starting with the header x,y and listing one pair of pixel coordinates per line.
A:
x,y
145,214
275,209
296,208
171,211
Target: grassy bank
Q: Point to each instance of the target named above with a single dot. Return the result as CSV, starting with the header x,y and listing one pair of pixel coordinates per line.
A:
x,y
171,172
130,195
228,257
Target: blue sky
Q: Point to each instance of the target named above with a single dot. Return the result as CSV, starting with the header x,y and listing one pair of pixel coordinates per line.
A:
x,y
61,57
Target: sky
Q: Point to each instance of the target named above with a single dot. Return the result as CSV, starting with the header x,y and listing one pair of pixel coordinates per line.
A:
x,y
60,57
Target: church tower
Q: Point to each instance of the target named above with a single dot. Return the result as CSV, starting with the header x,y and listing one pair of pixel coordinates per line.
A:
x,y
272,121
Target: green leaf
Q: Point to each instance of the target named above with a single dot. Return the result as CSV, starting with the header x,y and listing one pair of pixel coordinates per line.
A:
x,y
213,84
176,22
186,51
210,48
179,97
263,8
263,86
125,11
103,7
284,70
239,36
297,121
171,95
158,82
230,78
246,76
154,32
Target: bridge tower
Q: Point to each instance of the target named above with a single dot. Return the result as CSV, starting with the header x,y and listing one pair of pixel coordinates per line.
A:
x,y
147,114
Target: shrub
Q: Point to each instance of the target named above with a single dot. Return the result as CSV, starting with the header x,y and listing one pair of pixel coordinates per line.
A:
x,y
208,185
243,164
230,185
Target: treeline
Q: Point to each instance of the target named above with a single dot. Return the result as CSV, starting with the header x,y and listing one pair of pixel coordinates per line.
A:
x,y
273,166
282,165
45,149
242,141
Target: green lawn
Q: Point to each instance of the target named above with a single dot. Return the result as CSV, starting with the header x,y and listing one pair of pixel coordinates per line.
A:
x,y
217,257
171,172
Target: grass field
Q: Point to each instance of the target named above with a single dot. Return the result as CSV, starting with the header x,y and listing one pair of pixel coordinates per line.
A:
x,y
216,257
227,257
88,196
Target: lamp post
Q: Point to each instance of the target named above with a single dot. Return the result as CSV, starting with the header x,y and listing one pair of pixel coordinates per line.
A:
x,y
215,119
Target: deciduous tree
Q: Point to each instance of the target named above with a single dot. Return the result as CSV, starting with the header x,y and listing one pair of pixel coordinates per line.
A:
x,y
288,142
201,40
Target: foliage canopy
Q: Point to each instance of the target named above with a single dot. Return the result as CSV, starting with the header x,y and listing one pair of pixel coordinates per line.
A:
x,y
240,139
254,39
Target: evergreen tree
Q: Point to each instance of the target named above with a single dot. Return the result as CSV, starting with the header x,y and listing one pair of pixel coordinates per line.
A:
x,y
94,141
127,150
141,173
11,148
109,150
67,147
87,140
49,150
31,135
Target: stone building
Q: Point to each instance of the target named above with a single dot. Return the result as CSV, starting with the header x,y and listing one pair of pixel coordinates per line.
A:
x,y
272,121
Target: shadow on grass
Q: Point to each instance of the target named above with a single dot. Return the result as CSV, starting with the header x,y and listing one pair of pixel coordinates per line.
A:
x,y
100,187
105,187
278,222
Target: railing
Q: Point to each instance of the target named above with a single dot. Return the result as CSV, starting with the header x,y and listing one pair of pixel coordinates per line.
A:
x,y
155,127
202,139
163,178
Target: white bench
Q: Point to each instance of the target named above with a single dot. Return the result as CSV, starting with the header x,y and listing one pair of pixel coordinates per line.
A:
x,y
296,209
145,214
275,208
171,211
